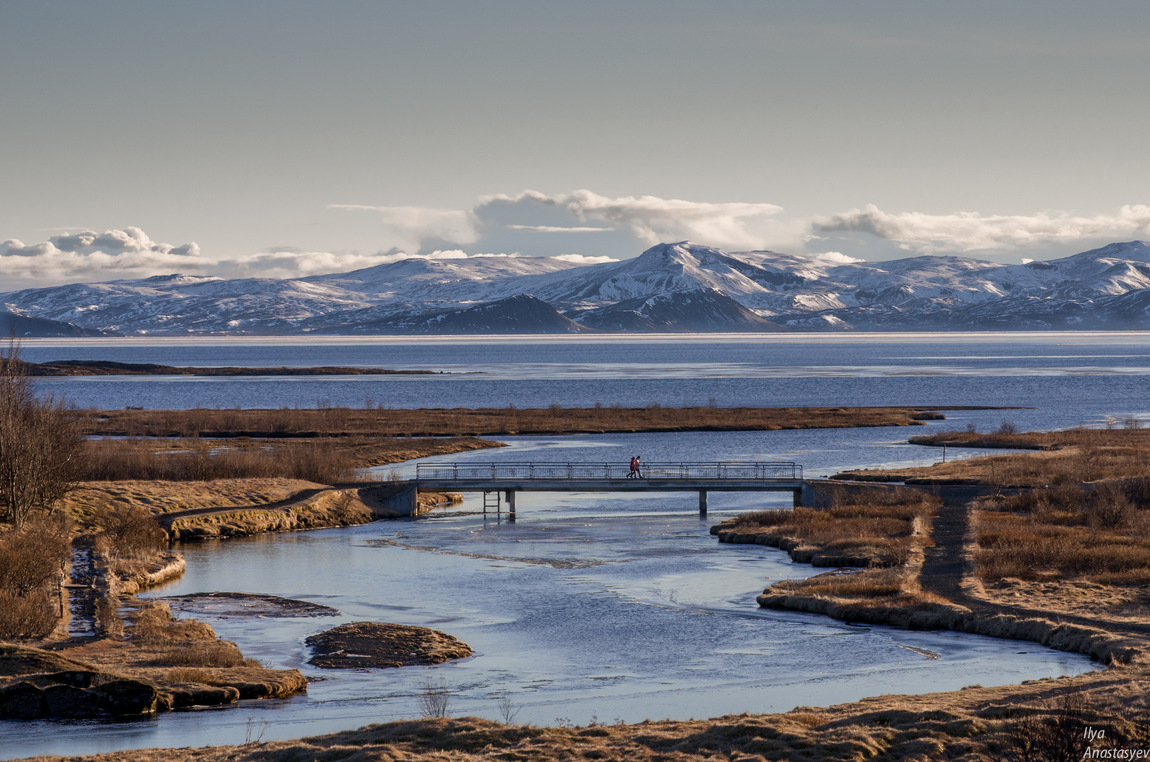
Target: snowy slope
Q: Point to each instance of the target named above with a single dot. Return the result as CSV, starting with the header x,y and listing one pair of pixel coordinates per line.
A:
x,y
668,287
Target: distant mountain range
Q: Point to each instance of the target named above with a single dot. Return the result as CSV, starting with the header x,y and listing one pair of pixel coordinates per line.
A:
x,y
670,287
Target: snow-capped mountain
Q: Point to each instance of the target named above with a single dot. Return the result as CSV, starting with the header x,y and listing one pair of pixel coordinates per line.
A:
x,y
670,287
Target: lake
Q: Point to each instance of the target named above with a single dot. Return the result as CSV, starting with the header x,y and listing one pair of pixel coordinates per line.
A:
x,y
596,606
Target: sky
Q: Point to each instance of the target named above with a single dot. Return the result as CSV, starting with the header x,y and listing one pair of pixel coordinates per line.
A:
x,y
283,138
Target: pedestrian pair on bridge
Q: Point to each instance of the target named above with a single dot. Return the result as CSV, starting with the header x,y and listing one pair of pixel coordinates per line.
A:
x,y
634,473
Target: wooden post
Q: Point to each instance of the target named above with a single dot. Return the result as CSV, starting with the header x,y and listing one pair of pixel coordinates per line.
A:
x,y
702,502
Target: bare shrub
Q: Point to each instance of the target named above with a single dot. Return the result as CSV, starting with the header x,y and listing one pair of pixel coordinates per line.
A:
x,y
34,555
32,558
150,624
27,617
434,698
1109,507
1055,732
131,531
108,621
507,707
40,443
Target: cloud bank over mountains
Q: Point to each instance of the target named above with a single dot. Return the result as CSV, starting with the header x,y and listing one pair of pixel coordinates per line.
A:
x,y
969,232
87,254
583,227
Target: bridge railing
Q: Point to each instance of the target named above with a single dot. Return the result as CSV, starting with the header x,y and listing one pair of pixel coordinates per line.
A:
x,y
614,471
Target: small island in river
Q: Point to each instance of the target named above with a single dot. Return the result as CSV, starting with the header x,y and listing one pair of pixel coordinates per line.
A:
x,y
377,645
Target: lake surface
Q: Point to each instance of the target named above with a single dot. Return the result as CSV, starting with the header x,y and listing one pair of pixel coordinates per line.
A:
x,y
1073,378
597,606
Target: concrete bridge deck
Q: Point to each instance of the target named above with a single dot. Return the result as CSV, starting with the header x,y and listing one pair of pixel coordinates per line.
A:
x,y
507,479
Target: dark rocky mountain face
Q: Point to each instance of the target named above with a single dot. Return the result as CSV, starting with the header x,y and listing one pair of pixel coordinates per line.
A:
x,y
33,327
701,311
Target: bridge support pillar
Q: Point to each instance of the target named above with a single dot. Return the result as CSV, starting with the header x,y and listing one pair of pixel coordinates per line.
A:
x,y
702,502
511,504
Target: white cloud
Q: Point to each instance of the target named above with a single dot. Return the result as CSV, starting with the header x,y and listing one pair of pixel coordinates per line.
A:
x,y
582,259
648,219
834,258
406,227
558,229
292,263
547,225
970,231
88,255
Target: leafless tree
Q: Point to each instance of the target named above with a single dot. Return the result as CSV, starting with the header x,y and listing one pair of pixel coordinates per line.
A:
x,y
40,442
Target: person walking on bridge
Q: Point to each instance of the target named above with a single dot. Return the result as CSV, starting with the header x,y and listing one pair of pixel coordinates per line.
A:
x,y
638,468
634,467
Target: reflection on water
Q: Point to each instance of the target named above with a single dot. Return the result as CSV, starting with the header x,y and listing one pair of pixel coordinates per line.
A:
x,y
589,606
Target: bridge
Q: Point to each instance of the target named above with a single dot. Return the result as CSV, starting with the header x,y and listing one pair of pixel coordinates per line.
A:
x,y
504,480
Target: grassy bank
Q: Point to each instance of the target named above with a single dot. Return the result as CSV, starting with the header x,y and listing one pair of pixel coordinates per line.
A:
x,y
137,659
869,528
436,422
327,461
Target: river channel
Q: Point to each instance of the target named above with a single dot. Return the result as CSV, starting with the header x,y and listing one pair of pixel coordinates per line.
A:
x,y
591,606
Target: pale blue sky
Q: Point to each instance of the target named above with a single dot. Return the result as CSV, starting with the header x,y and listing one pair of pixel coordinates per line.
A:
x,y
285,137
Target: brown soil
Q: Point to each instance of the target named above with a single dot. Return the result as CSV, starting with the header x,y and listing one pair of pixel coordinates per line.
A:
x,y
375,645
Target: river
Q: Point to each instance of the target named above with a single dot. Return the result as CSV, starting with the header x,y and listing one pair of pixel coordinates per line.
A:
x,y
598,607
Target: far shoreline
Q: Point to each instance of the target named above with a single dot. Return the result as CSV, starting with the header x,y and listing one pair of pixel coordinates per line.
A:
x,y
783,337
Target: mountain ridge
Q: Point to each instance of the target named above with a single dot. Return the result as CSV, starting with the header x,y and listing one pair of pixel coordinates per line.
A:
x,y
680,286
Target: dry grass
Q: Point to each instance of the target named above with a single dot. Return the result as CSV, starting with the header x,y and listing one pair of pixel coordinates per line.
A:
x,y
340,421
326,461
182,657
976,725
1006,437
1069,466
91,499
215,653
188,675
1095,535
865,583
876,527
198,460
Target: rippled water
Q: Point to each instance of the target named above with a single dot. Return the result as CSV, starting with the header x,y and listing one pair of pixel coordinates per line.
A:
x,y
1076,378
597,606
587,607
